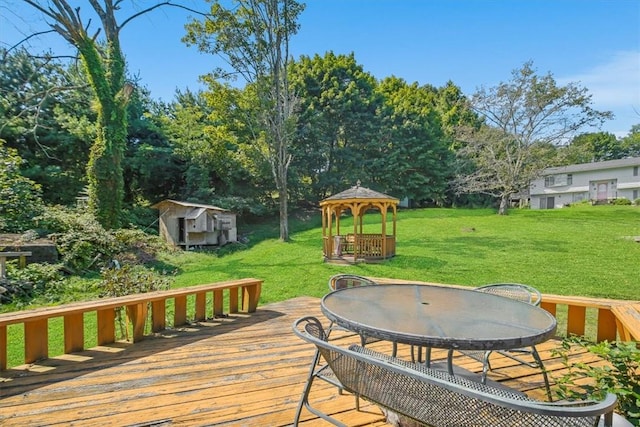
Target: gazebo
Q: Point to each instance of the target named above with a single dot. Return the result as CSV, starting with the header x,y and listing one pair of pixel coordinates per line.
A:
x,y
357,246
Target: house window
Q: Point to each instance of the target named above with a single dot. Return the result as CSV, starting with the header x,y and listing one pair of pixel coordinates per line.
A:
x,y
549,181
569,179
635,170
635,194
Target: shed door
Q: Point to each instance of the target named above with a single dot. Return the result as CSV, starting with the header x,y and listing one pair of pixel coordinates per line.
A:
x,y
181,230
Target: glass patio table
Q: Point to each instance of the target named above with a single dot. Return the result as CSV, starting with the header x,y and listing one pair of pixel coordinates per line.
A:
x,y
438,316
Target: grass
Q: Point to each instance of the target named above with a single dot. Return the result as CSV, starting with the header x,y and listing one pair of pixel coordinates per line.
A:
x,y
581,251
584,250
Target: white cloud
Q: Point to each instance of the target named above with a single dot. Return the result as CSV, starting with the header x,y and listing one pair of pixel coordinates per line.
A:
x,y
614,86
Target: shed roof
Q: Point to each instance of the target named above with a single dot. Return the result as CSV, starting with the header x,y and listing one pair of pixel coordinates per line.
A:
x,y
188,205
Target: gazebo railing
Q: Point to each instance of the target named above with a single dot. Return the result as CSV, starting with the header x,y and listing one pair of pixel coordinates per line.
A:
x,y
367,246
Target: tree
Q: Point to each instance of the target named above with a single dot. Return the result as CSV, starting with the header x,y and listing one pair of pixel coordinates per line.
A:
x,y
593,147
20,199
46,115
631,142
338,124
524,119
415,161
253,37
105,67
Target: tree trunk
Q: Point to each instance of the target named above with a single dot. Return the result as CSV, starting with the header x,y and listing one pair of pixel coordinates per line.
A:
x,y
504,204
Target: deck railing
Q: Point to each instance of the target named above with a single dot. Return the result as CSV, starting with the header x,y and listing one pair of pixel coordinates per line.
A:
x,y
36,322
608,319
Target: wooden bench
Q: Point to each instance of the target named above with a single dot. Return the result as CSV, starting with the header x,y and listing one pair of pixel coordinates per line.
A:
x,y
36,321
628,321
433,397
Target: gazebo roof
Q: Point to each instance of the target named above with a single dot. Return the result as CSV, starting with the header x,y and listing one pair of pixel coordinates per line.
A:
x,y
358,193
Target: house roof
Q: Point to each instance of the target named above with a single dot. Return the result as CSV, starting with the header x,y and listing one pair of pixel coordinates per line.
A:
x,y
188,205
583,167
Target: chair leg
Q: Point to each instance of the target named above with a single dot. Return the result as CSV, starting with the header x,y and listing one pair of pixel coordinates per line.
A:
x,y
486,367
538,360
304,400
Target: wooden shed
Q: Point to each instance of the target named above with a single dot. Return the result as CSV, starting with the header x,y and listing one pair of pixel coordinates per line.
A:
x,y
358,246
189,225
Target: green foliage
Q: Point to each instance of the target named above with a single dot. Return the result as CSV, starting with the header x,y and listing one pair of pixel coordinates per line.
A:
x,y
620,375
45,114
20,198
79,237
526,118
43,281
621,201
593,147
131,279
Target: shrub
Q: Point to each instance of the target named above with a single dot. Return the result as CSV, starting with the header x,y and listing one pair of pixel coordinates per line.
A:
x,y
20,197
620,375
622,201
127,280
80,239
636,202
35,280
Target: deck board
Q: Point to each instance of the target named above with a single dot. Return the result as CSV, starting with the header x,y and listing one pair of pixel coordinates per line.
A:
x,y
244,370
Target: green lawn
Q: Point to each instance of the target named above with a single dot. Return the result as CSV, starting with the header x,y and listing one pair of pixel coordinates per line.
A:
x,y
584,250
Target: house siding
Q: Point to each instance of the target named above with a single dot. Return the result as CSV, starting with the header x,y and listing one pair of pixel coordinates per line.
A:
x,y
597,182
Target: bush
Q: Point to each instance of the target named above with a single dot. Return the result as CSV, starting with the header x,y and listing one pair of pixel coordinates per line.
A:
x,y
620,376
83,243
127,280
35,280
636,202
622,201
20,198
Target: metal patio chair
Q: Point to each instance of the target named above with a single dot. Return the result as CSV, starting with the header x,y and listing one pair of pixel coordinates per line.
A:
x,y
529,295
341,281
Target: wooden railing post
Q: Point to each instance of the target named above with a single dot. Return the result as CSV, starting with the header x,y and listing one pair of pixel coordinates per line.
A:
x,y
3,348
106,326
36,340
180,315
250,297
73,332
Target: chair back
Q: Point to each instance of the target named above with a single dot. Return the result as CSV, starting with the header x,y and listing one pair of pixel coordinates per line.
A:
x,y
341,281
516,291
434,397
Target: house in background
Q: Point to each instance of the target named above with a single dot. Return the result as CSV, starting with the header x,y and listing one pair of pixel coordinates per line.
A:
x,y
598,182
187,224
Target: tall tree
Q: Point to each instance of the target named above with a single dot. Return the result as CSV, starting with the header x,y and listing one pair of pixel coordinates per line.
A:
x,y
45,114
338,131
105,68
593,147
415,161
253,37
20,199
524,118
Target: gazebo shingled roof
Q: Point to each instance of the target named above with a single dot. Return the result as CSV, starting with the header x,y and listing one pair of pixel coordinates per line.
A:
x,y
357,192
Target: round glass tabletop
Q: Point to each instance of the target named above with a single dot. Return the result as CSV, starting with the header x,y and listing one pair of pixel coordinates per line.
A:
x,y
438,316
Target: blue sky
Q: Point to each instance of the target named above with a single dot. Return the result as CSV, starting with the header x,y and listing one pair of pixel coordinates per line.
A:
x,y
473,43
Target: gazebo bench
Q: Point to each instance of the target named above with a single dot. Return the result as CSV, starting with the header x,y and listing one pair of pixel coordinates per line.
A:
x,y
435,398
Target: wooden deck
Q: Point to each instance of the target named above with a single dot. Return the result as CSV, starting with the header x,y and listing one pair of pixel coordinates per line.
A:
x,y
243,370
